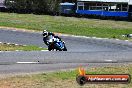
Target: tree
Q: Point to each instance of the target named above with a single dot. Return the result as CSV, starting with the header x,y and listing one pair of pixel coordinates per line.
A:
x,y
37,6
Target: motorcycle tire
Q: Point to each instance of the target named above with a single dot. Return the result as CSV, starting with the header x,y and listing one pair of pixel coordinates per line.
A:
x,y
49,48
65,49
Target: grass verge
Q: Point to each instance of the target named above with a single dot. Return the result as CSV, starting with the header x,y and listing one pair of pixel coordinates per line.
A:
x,y
13,47
65,79
67,25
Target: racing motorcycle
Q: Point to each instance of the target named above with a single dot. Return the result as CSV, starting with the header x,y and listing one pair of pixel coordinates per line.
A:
x,y
56,44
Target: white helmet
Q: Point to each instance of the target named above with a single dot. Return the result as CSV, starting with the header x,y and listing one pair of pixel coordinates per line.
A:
x,y
45,33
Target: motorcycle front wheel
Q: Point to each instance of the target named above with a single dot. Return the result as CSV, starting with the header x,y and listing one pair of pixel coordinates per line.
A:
x,y
65,49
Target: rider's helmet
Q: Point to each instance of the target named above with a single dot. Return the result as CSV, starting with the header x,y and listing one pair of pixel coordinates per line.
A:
x,y
45,33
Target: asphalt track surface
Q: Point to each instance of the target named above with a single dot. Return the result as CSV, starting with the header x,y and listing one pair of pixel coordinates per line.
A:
x,y
81,51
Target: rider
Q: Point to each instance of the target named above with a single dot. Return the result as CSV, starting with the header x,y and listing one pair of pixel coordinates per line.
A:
x,y
46,36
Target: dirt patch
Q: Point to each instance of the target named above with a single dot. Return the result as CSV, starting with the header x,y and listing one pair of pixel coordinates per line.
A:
x,y
17,29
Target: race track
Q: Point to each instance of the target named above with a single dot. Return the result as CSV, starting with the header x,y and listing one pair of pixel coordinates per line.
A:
x,y
81,51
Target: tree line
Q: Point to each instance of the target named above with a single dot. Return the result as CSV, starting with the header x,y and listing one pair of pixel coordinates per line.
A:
x,y
33,6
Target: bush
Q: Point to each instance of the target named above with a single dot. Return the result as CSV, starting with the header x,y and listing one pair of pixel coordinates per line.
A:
x,y
35,6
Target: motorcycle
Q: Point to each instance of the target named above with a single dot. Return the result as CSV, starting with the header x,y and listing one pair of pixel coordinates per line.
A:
x,y
55,43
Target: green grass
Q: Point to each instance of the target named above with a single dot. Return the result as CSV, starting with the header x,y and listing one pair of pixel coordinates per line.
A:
x,y
12,47
65,79
67,25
